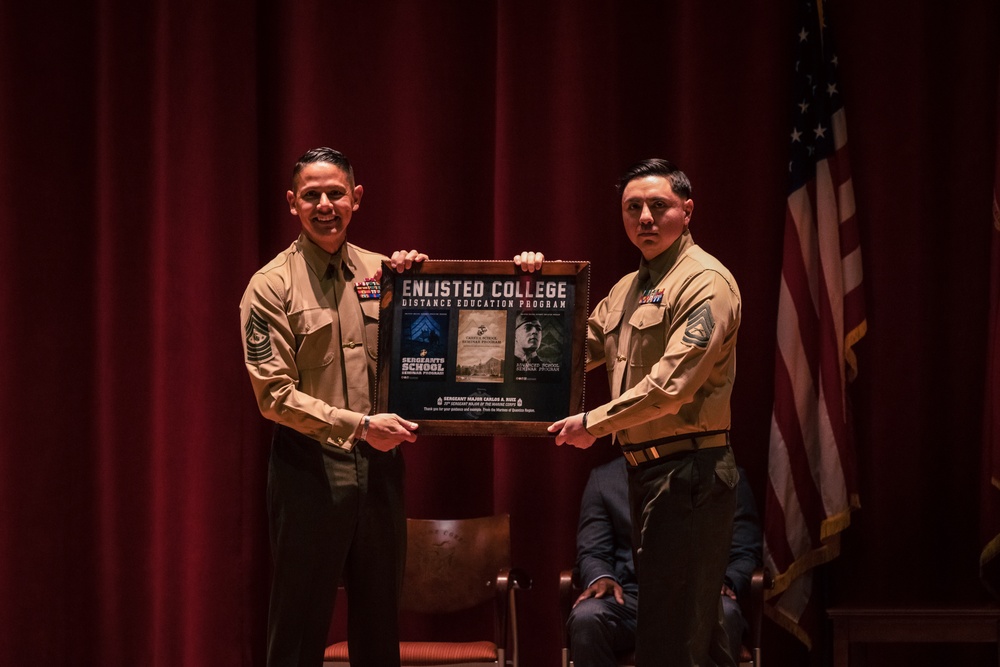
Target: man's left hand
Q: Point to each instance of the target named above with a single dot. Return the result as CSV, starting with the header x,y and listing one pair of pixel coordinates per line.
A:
x,y
571,431
602,588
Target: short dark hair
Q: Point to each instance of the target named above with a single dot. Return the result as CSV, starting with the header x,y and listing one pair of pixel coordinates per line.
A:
x,y
657,167
526,318
323,154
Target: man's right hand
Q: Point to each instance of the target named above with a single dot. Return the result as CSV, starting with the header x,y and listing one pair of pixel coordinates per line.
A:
x,y
387,430
529,261
402,259
602,588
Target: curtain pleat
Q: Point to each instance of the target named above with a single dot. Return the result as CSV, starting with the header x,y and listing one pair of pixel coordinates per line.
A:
x,y
145,151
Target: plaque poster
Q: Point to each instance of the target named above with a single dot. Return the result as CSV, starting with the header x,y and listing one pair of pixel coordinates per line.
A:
x,y
482,347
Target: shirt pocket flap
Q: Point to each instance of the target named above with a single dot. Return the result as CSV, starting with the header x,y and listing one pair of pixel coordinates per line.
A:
x,y
370,307
647,315
614,318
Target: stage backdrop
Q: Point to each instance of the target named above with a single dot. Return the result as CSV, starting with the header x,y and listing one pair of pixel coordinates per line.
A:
x,y
145,151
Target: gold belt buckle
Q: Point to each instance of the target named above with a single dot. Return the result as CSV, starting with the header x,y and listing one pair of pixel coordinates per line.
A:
x,y
640,456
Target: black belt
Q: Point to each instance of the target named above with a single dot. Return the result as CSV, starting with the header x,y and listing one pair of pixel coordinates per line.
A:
x,y
644,452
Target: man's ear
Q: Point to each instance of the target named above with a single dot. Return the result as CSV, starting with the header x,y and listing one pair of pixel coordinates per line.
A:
x,y
290,198
358,192
688,208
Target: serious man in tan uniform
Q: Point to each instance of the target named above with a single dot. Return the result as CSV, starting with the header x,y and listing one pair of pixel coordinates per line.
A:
x,y
335,496
667,336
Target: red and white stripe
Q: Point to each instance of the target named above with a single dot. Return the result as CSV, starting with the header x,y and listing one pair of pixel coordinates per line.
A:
x,y
811,476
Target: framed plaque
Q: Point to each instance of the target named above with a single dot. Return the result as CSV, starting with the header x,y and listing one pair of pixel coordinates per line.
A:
x,y
482,347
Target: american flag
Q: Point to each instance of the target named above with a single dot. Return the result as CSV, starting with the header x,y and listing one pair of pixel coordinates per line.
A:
x,y
812,484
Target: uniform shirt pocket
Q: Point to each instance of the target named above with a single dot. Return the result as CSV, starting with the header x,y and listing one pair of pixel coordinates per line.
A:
x,y
648,335
612,332
314,331
370,310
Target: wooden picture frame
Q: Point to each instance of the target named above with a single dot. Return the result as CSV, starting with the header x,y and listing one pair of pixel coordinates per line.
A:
x,y
482,347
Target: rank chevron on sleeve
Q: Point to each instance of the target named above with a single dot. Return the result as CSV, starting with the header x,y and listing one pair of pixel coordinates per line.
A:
x,y
258,338
700,325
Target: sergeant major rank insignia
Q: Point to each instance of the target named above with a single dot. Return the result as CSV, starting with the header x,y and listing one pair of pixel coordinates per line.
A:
x,y
258,337
368,289
651,296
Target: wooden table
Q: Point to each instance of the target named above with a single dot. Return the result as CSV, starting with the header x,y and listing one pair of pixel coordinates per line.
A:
x,y
969,624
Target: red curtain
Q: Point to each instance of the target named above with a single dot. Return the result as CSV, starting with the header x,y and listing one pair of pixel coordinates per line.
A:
x,y
989,564
144,154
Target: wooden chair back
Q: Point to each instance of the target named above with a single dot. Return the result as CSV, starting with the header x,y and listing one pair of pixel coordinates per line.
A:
x,y
452,564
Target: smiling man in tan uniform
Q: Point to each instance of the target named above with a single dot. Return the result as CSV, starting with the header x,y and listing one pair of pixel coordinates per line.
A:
x,y
335,494
667,336
335,479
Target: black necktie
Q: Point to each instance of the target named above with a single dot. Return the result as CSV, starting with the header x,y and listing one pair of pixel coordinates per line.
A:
x,y
352,340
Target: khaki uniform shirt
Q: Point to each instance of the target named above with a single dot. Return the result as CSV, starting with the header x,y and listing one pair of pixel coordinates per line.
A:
x,y
310,344
671,364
